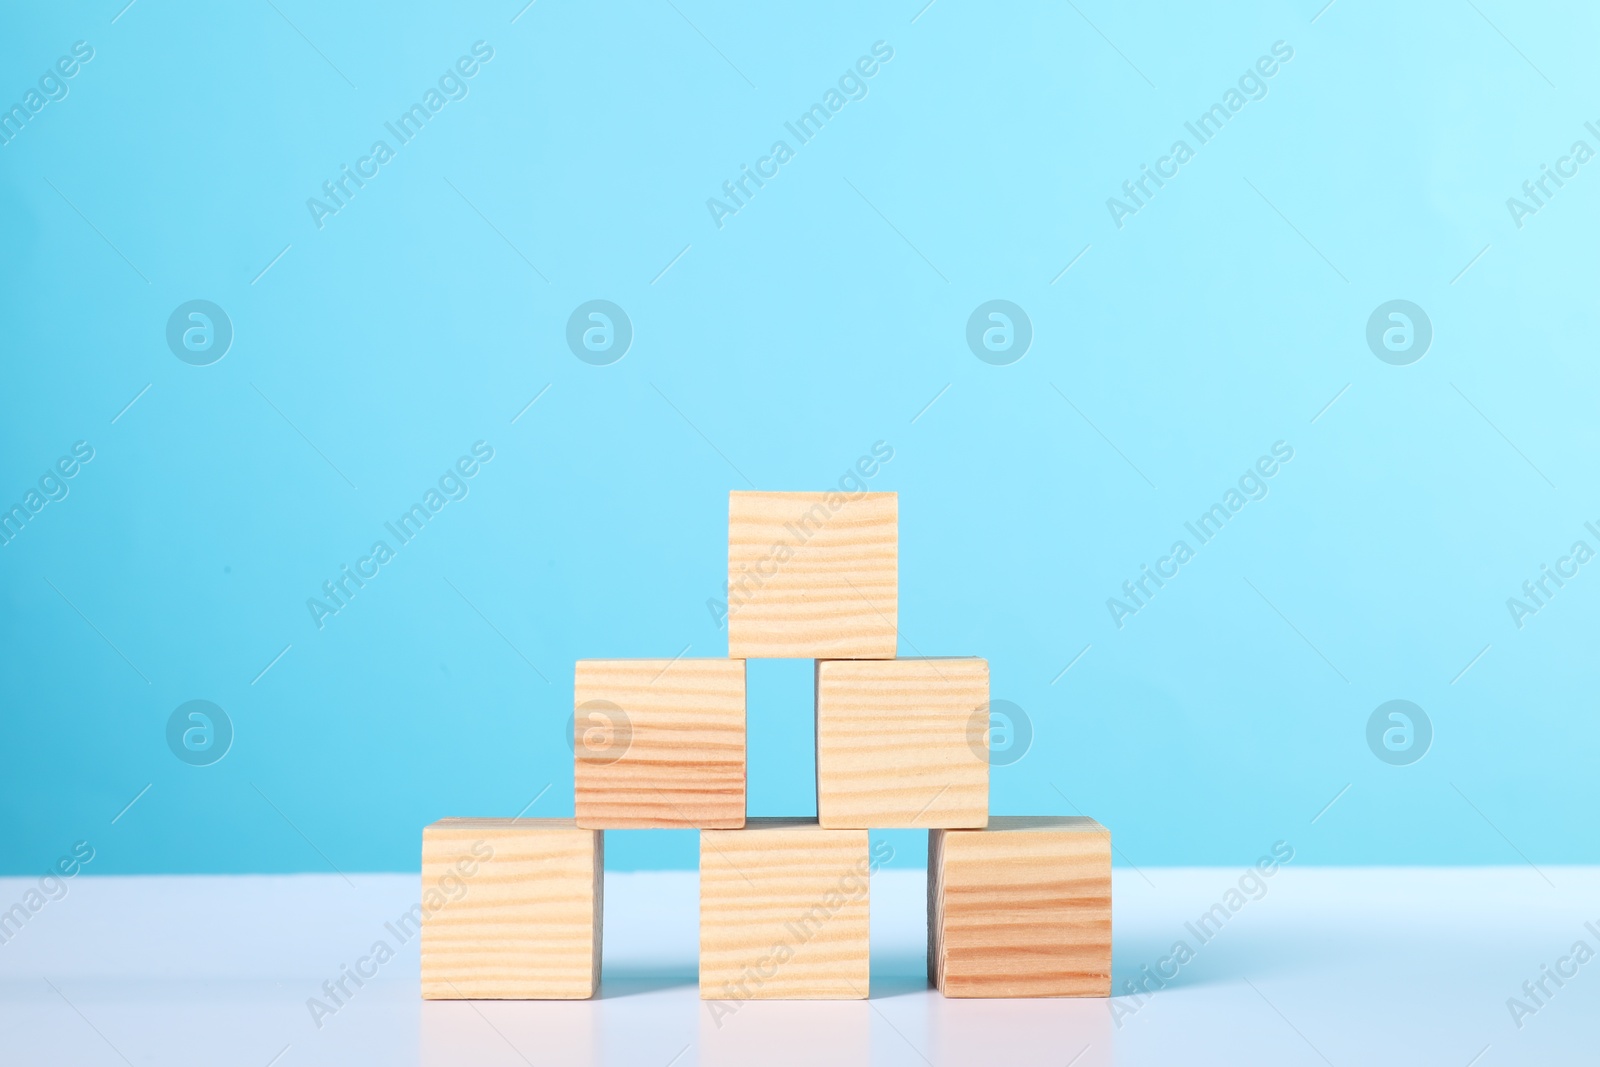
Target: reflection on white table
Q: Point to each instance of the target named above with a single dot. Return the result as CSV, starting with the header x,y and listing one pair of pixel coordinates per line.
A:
x,y
1370,966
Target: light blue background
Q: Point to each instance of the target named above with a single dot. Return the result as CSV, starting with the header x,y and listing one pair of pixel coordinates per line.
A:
x,y
822,318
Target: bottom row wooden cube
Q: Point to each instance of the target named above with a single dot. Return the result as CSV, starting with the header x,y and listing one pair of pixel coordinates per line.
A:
x,y
511,909
783,912
1021,908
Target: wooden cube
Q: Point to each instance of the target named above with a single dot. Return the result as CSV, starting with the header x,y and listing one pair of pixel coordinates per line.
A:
x,y
1021,908
659,743
783,912
510,909
903,743
813,575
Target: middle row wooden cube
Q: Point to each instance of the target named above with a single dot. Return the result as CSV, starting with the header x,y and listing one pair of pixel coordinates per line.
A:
x,y
903,743
900,743
659,743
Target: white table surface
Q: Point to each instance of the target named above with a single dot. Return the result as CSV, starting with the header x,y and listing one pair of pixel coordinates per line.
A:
x,y
1368,966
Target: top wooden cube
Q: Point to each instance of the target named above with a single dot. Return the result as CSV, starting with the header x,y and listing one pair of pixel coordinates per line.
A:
x,y
813,575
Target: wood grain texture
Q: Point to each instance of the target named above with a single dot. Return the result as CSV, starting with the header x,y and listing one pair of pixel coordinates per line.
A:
x,y
783,912
1021,908
511,909
659,743
813,575
902,743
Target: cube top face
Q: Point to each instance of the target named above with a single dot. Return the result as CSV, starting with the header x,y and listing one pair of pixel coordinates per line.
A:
x,y
783,912
1021,909
813,575
659,743
1058,823
771,823
510,909
454,827
903,743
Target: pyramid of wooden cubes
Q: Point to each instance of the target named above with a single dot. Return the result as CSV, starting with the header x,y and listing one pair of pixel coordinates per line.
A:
x,y
1017,906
